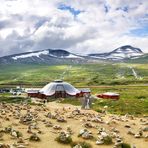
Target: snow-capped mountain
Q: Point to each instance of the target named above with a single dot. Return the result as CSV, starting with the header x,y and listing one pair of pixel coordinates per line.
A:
x,y
47,56
59,56
52,53
121,53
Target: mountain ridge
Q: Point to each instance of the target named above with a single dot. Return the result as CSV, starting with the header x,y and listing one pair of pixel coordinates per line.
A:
x,y
61,56
121,53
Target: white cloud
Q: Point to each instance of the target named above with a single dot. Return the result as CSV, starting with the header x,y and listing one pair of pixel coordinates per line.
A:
x,y
101,26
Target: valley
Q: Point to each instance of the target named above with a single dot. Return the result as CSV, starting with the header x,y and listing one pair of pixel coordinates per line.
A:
x,y
129,80
79,74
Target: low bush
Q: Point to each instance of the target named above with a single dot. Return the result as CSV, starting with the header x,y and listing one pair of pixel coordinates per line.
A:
x,y
19,134
82,144
64,140
34,137
125,145
108,140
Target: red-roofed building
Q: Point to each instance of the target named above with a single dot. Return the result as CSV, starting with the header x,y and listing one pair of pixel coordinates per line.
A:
x,y
109,95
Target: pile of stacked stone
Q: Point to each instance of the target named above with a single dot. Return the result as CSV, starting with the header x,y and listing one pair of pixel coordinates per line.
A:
x,y
69,130
13,133
57,127
34,137
26,119
16,114
102,135
49,115
114,132
52,115
118,143
48,124
138,134
61,119
85,134
88,125
76,112
4,145
64,137
78,146
20,143
1,136
97,119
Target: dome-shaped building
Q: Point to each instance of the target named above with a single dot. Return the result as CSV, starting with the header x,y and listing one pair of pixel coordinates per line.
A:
x,y
58,89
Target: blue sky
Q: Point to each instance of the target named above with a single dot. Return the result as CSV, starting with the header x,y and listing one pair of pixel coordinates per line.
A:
x,y
81,26
70,9
140,32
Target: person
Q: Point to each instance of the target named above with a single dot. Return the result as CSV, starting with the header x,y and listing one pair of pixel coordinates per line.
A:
x,y
44,101
86,102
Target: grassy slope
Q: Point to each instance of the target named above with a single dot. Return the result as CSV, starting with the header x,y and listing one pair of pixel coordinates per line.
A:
x,y
143,59
80,75
133,99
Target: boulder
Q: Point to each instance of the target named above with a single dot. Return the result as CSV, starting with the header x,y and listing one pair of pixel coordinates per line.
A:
x,y
99,142
127,126
87,135
145,129
137,135
130,132
88,125
104,134
61,119
77,146
57,127
4,145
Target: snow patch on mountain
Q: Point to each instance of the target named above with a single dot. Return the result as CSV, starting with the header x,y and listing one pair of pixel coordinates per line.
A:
x,y
124,55
53,55
34,54
74,56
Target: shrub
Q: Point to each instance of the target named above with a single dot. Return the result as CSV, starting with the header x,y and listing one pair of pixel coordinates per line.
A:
x,y
64,140
141,97
19,134
125,145
107,140
98,110
82,144
34,137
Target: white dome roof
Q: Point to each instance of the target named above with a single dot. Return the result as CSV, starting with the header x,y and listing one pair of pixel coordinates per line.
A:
x,y
59,85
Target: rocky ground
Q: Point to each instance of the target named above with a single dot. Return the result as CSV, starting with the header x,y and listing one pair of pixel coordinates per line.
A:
x,y
26,126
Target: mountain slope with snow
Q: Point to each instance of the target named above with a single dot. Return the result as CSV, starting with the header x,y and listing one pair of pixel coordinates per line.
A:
x,y
59,56
121,53
47,56
29,55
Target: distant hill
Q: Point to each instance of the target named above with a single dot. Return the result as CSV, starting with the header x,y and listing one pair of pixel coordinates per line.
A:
x,y
119,54
60,56
47,56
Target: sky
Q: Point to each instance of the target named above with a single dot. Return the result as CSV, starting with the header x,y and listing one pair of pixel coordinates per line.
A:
x,y
78,26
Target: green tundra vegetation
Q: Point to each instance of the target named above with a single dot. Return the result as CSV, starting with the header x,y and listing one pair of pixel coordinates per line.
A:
x,y
79,75
128,79
133,100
